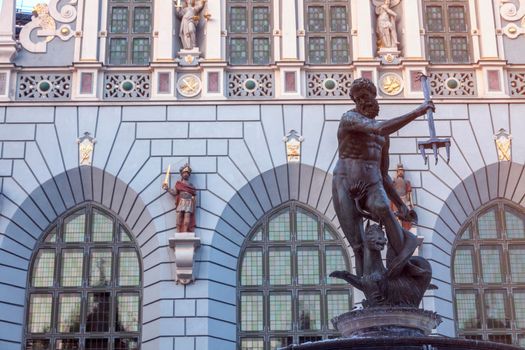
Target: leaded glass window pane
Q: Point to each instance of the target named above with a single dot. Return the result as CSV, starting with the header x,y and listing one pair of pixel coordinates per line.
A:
x,y
317,50
52,236
69,313
279,227
496,310
338,302
38,344
487,225
467,305
339,20
517,264
316,19
309,311
252,267
124,235
456,19
98,312
141,51
491,264
252,344
40,306
96,344
464,266
252,312
308,265
261,20
63,344
238,19
261,51
280,311
307,229
339,50
280,342
435,18
100,268
102,230
467,234
118,50
72,265
238,51
514,224
334,262
280,266
44,268
119,20
127,312
142,20
459,49
258,236
128,268
126,344
329,235
436,49
74,227
519,308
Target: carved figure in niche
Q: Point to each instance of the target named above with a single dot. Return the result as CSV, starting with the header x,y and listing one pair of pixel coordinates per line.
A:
x,y
361,185
403,286
404,190
386,23
184,193
189,19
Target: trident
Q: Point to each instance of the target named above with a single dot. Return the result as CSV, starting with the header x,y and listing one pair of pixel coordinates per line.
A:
x,y
433,143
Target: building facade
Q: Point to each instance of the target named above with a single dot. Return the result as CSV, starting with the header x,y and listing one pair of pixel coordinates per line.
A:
x,y
99,99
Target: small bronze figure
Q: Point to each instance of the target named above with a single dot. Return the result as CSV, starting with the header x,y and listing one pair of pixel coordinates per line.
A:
x,y
184,193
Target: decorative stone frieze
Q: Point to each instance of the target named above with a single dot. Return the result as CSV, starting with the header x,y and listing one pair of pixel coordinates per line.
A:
x,y
43,86
517,84
126,86
452,84
328,84
250,84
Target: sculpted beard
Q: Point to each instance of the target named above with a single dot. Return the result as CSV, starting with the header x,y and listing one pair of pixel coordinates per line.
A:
x,y
370,109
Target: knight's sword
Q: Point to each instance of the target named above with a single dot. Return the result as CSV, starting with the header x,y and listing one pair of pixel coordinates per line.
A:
x,y
433,143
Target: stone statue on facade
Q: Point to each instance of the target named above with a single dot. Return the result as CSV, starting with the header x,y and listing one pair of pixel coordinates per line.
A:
x,y
403,188
363,190
189,19
184,193
386,29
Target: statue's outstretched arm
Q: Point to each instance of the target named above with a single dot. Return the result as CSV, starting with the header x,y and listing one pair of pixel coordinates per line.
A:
x,y
390,126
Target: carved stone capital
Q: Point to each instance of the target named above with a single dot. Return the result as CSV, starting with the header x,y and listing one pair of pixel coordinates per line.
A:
x,y
184,245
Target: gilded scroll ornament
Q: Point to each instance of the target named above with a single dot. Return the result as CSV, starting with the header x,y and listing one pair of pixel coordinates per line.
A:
x,y
512,13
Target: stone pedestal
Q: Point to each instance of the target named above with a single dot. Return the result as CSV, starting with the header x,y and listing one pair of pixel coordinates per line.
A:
x,y
189,57
389,55
184,245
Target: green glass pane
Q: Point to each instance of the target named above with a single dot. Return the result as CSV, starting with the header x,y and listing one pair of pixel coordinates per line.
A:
x,y
252,312
252,268
308,266
100,268
74,227
118,51
129,273
340,50
141,51
309,311
258,236
464,266
519,308
252,344
142,20
119,20
238,20
51,236
124,235
339,20
517,264
39,318
72,265
456,19
279,227
261,51
487,227
467,305
436,49
44,268
102,227
280,311
317,50
280,342
306,226
329,235
459,49
434,16
334,262
280,266
127,312
338,302
261,19
238,51
467,234
491,264
69,313
315,19
515,225
495,310
98,311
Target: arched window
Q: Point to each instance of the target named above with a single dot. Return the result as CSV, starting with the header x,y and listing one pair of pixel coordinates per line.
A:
x,y
447,31
285,294
129,32
249,31
327,31
84,287
489,275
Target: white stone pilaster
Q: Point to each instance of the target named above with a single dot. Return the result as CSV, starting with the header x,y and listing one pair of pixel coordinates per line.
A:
x,y
7,27
301,31
163,31
289,30
277,32
362,22
487,30
90,28
474,31
411,32
213,31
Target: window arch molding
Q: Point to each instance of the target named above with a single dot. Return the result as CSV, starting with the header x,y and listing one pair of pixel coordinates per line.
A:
x,y
74,297
284,293
488,274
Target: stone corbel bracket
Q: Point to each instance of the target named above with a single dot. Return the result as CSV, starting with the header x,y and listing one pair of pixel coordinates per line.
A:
x,y
184,245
